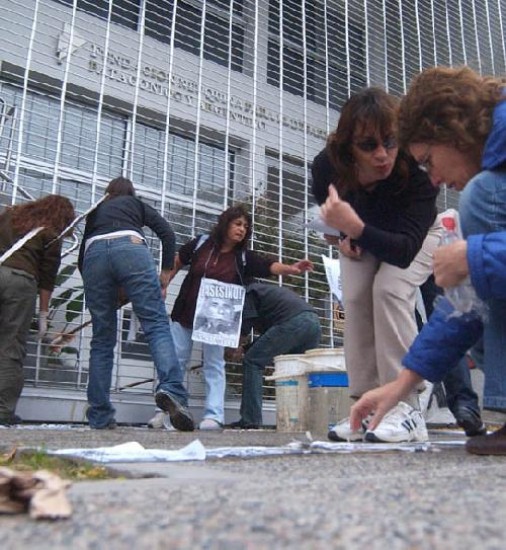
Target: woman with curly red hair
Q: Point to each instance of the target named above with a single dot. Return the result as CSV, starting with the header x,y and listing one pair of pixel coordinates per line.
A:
x,y
28,268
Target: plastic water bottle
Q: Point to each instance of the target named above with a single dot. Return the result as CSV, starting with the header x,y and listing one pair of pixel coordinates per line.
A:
x,y
463,297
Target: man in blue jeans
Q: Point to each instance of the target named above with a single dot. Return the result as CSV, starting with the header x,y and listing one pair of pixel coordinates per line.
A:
x,y
287,324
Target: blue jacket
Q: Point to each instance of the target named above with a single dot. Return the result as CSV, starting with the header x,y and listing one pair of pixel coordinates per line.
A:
x,y
443,340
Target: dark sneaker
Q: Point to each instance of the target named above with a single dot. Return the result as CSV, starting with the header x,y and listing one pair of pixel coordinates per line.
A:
x,y
470,421
491,444
11,420
180,416
241,425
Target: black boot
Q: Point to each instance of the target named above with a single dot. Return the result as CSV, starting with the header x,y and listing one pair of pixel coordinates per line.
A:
x,y
492,444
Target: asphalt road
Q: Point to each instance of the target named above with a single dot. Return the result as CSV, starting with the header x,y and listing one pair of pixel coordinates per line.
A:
x,y
442,498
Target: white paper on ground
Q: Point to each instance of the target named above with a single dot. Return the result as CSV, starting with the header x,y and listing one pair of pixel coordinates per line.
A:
x,y
135,452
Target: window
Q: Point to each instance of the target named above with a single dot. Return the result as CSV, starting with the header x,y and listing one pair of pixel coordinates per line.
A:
x,y
124,12
318,53
148,165
79,133
158,24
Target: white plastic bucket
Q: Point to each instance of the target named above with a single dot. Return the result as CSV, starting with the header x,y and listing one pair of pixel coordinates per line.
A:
x,y
325,359
292,403
288,365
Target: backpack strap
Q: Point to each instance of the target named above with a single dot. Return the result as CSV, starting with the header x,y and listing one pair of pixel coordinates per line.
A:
x,y
20,243
201,239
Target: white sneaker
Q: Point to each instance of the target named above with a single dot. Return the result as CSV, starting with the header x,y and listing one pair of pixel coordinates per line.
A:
x,y
342,430
157,421
401,424
209,424
160,421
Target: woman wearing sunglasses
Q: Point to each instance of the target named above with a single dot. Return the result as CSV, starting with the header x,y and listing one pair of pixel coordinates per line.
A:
x,y
385,207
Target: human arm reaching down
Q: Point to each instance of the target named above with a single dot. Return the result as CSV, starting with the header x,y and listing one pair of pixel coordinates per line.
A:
x,y
445,338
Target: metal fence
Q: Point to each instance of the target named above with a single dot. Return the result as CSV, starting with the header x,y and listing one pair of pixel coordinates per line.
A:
x,y
202,103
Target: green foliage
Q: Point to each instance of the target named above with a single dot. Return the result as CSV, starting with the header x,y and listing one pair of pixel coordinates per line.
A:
x,y
74,308
67,468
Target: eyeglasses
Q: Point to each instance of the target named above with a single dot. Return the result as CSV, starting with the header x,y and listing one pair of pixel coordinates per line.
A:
x,y
371,144
426,163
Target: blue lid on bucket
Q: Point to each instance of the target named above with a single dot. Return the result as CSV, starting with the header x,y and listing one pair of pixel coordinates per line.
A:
x,y
327,379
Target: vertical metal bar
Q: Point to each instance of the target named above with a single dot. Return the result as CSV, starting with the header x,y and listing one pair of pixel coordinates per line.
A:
x,y
197,121
100,104
477,40
500,3
462,34
280,131
304,142
227,119
327,82
59,132
448,35
490,41
418,39
135,107
253,144
385,35
366,37
403,48
433,20
165,169
26,75
347,47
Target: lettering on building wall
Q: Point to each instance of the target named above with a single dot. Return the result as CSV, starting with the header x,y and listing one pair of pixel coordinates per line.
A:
x,y
159,82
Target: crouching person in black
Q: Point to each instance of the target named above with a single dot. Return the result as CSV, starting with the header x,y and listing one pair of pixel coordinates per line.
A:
x,y
287,324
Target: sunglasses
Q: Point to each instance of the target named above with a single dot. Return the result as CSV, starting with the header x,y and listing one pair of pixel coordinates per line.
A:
x,y
371,144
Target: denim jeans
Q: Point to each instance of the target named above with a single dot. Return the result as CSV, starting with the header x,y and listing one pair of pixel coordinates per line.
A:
x,y
482,209
214,370
296,335
127,263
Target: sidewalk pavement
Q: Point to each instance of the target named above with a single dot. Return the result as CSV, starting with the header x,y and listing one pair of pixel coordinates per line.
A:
x,y
396,500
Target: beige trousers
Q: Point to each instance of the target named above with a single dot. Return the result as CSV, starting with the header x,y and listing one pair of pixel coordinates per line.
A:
x,y
380,325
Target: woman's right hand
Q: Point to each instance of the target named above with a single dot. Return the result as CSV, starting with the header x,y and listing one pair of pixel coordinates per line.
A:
x,y
349,249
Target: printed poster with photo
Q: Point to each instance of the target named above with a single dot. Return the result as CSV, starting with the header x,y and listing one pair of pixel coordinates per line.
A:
x,y
218,315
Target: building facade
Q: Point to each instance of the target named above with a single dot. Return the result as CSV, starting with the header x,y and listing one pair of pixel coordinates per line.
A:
x,y
201,103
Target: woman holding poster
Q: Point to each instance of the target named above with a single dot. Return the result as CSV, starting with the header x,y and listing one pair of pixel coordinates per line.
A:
x,y
220,257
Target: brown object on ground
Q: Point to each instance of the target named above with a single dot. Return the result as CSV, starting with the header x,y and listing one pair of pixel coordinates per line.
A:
x,y
41,494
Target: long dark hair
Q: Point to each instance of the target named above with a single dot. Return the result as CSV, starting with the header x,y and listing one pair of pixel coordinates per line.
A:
x,y
219,231
371,107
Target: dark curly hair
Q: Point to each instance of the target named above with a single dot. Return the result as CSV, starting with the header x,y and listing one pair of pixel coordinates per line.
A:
x,y
52,212
219,231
